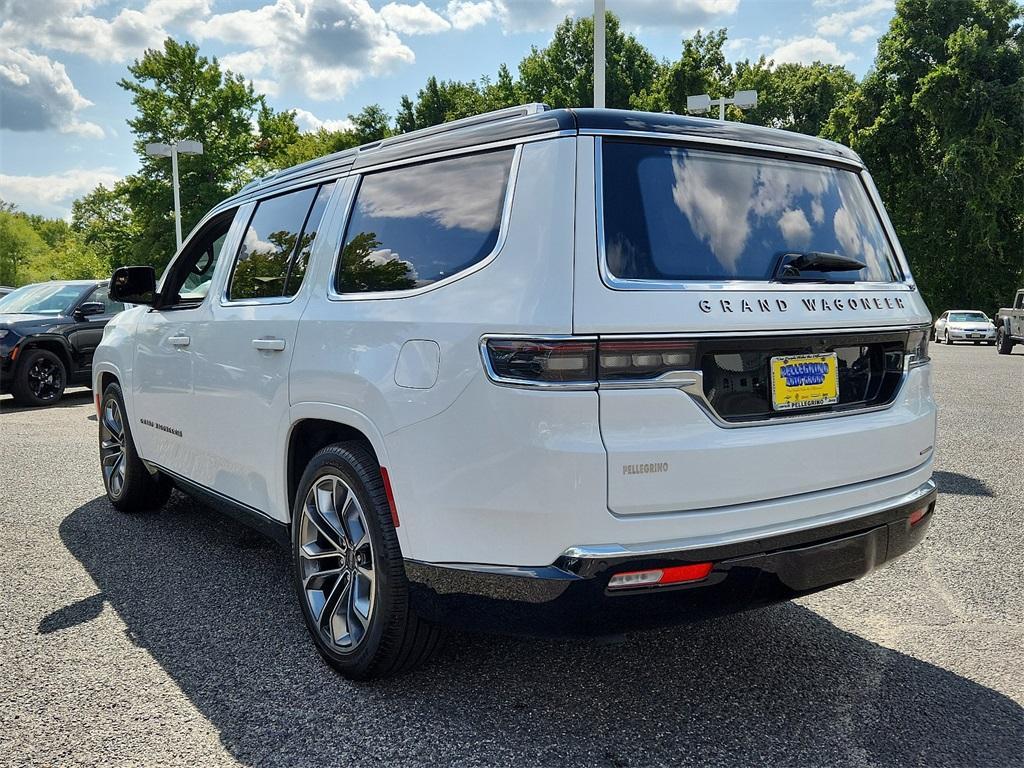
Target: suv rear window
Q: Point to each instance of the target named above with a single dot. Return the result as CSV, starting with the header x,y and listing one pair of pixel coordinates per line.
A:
x,y
674,213
416,225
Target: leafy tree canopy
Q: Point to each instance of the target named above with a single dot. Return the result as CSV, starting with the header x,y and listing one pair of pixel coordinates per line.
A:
x,y
939,122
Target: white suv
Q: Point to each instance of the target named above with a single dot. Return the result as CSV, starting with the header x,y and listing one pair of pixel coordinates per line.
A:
x,y
550,371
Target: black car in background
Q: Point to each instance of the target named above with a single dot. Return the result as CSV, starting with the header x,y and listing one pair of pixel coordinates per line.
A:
x,y
48,333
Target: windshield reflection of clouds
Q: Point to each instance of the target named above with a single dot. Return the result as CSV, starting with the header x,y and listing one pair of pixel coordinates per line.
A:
x,y
739,214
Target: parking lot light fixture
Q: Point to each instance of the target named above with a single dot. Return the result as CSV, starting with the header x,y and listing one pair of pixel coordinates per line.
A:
x,y
698,105
172,151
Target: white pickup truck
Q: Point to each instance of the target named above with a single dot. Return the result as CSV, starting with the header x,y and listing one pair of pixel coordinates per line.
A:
x,y
1009,323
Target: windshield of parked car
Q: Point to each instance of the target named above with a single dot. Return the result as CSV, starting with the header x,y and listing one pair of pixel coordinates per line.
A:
x,y
41,299
967,317
675,213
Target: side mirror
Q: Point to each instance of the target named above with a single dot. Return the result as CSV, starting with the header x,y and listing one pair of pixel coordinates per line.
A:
x,y
133,285
91,308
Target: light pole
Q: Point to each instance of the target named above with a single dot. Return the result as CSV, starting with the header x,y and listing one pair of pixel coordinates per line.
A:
x,y
172,151
599,54
698,105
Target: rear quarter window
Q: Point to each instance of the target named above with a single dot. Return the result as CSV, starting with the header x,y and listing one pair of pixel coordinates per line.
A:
x,y
416,225
673,213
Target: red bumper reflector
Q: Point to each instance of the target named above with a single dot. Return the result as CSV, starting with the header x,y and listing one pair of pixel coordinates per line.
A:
x,y
676,574
917,516
391,496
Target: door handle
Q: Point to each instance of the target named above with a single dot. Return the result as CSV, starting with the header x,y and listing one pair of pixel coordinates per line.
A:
x,y
269,345
180,341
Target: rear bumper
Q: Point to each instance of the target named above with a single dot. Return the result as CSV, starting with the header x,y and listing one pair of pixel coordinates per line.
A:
x,y
570,597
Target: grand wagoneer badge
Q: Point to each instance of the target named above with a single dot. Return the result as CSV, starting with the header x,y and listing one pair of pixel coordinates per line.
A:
x,y
824,304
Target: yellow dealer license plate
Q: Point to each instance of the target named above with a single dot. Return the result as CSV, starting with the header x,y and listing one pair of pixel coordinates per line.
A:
x,y
804,381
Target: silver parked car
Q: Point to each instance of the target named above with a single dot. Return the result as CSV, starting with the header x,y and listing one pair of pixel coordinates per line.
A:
x,y
964,325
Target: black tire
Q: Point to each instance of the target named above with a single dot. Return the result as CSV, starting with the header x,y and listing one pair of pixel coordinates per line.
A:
x,y
40,378
393,640
1004,344
130,486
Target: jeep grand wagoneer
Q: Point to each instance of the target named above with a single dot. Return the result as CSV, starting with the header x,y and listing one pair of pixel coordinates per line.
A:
x,y
560,371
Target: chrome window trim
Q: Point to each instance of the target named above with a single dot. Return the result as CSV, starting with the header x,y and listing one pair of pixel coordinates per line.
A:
x,y
503,226
632,284
547,386
600,551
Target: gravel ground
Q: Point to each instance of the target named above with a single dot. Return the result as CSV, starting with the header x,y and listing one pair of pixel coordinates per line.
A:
x,y
175,639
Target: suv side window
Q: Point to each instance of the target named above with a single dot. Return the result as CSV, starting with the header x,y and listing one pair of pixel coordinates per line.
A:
x,y
272,257
187,280
416,225
110,307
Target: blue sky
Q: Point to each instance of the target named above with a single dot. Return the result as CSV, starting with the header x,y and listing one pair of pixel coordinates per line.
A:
x,y
62,116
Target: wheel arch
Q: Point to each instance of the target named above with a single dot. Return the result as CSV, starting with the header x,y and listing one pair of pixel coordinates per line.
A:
x,y
317,425
56,344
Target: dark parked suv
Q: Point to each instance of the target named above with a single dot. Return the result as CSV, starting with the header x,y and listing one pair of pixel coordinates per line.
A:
x,y
48,333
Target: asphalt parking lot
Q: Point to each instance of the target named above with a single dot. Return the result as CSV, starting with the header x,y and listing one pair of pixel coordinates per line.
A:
x,y
175,639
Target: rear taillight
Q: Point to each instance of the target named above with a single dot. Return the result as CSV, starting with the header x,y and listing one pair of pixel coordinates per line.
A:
x,y
552,362
581,363
643,358
917,348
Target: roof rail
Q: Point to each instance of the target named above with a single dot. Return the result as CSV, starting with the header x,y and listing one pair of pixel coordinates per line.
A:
x,y
465,122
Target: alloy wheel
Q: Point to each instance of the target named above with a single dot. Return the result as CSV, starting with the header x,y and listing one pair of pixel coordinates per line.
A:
x,y
45,378
112,455
336,562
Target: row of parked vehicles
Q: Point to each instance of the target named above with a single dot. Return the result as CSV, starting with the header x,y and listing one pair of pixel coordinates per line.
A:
x,y
543,371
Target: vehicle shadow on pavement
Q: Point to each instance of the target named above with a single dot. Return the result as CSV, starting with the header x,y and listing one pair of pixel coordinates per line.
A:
x,y
213,605
965,485
71,399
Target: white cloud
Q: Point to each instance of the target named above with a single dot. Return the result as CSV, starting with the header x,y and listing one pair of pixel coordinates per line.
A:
x,y
321,47
413,19
541,15
34,192
307,121
67,25
841,23
862,33
465,14
795,228
38,95
805,50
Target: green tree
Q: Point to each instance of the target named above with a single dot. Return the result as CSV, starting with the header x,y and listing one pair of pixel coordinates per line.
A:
x,y
181,95
20,246
701,68
106,223
562,73
939,122
795,97
72,259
